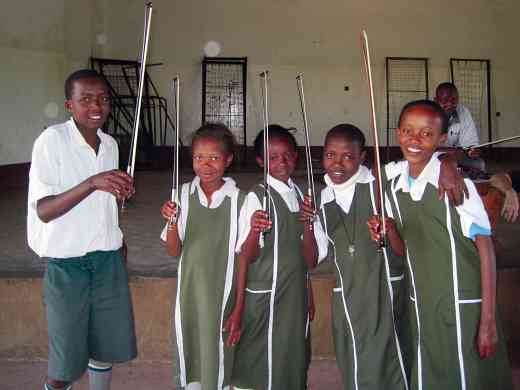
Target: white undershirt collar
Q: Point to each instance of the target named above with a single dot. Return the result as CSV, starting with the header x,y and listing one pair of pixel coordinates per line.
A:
x,y
227,189
344,193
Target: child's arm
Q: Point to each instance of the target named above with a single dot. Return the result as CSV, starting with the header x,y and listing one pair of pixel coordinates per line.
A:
x,y
124,252
114,182
173,241
393,236
249,252
310,247
311,309
259,223
487,338
503,182
233,324
451,181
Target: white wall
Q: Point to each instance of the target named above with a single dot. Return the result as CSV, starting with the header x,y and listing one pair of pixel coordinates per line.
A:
x,y
31,48
318,38
40,43
321,39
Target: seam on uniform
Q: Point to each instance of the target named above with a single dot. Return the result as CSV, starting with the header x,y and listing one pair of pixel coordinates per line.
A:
x,y
465,301
391,294
455,294
178,319
257,291
273,293
228,281
347,315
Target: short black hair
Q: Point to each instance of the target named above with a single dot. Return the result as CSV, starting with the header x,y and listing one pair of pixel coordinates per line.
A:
x,y
430,105
448,86
80,75
348,132
275,132
218,132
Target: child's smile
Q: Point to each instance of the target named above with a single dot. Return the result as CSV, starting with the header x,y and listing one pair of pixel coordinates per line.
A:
x,y
419,136
282,159
89,103
210,162
341,159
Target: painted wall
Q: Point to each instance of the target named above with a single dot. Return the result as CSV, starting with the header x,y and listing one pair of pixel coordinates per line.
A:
x,y
321,39
42,41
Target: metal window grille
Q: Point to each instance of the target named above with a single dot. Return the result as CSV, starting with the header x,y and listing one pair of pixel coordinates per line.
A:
x,y
406,80
472,78
224,82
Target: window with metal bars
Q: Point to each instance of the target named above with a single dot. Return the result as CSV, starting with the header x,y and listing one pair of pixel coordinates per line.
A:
x,y
472,79
224,82
406,80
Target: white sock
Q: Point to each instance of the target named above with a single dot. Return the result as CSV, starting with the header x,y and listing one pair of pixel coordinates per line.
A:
x,y
49,387
99,375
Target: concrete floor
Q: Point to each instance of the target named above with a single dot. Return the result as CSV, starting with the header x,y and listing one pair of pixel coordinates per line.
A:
x,y
323,375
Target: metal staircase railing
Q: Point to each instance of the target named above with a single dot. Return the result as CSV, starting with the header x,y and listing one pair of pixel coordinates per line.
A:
x,y
122,79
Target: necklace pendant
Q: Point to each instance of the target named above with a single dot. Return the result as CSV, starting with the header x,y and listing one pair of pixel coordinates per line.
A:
x,y
351,249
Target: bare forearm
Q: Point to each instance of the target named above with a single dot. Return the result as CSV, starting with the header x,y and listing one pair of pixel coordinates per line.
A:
x,y
396,243
243,265
488,277
54,206
250,249
502,182
309,246
173,242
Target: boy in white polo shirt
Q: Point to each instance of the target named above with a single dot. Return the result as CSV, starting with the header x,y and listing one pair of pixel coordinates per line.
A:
x,y
72,220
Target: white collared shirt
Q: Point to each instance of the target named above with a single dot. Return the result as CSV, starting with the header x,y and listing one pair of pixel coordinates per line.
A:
x,y
62,159
228,189
342,194
471,211
289,192
462,131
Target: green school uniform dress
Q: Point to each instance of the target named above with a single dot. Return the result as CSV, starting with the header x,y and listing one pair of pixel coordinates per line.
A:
x,y
443,272
365,339
205,285
271,353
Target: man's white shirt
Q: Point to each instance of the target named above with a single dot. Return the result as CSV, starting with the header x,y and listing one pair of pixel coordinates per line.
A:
x,y
462,131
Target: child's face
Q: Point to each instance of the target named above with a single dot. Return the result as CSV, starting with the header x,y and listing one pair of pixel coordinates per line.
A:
x,y
419,135
89,103
210,161
341,159
282,159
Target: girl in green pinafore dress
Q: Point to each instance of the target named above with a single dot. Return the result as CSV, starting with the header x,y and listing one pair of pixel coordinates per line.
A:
x,y
367,348
270,315
204,237
456,341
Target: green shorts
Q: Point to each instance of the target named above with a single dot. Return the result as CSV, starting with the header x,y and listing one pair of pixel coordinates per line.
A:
x,y
89,313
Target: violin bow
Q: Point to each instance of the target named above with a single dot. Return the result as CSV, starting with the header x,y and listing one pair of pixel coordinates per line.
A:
x,y
264,78
176,83
498,141
380,203
142,73
311,192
